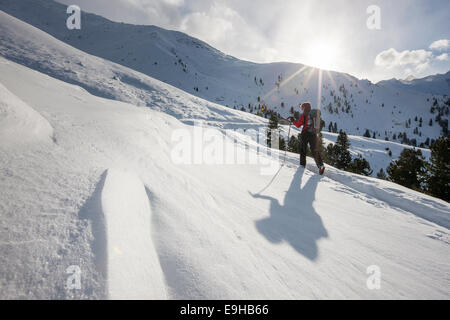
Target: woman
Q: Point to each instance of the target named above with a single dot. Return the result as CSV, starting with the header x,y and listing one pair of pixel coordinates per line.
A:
x,y
309,136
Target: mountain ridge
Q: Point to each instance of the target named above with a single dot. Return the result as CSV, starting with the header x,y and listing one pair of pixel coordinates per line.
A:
x,y
105,198
437,83
97,190
385,109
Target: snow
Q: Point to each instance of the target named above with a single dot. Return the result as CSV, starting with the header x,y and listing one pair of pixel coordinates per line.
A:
x,y
436,84
132,257
373,150
97,187
196,231
19,123
29,46
218,77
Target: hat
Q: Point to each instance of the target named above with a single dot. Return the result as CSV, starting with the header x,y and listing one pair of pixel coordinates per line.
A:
x,y
306,106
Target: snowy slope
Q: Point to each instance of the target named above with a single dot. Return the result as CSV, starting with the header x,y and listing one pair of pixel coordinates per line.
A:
x,y
197,68
29,46
32,47
132,256
105,195
373,150
435,84
96,187
19,123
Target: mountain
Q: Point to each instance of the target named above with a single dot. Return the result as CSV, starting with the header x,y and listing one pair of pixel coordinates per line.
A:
x,y
97,192
386,110
436,84
100,179
32,47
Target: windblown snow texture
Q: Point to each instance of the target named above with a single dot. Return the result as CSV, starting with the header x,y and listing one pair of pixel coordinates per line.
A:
x,y
197,68
106,196
87,180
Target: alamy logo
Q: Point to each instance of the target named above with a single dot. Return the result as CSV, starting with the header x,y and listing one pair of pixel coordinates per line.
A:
x,y
374,20
374,280
210,146
74,20
74,280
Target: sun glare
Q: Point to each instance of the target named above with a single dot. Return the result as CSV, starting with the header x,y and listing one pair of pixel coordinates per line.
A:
x,y
322,55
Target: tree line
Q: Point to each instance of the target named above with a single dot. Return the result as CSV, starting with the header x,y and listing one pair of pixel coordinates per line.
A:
x,y
410,170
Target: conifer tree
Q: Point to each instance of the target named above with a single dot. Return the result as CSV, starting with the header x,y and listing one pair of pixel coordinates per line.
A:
x,y
344,157
294,144
438,176
408,170
273,126
360,166
338,155
381,174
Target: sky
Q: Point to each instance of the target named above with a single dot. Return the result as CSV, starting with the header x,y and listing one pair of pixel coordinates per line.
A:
x,y
369,39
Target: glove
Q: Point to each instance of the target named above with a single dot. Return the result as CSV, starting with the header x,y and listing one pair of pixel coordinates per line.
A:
x,y
291,119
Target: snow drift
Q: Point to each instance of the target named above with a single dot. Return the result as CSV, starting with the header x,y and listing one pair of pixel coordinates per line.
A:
x,y
19,123
108,198
195,67
132,257
31,47
197,231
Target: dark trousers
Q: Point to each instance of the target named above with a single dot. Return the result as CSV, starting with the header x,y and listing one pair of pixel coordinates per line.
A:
x,y
313,141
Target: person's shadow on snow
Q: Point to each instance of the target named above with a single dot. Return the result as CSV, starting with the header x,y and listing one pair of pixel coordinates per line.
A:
x,y
295,221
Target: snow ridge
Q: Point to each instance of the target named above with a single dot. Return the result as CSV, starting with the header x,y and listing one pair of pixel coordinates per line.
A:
x,y
20,124
131,254
196,68
195,231
108,197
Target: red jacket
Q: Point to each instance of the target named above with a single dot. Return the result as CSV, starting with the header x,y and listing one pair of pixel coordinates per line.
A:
x,y
303,121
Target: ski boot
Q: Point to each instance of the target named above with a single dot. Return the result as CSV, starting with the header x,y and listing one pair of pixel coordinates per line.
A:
x,y
322,170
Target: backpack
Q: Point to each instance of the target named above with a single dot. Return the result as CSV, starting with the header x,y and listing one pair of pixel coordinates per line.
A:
x,y
315,122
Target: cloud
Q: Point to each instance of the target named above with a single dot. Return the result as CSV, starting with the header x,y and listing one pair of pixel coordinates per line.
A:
x,y
392,58
158,12
267,30
440,44
212,25
174,2
443,57
418,62
227,30
423,67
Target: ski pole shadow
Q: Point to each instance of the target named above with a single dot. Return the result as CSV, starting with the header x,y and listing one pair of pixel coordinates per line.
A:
x,y
295,221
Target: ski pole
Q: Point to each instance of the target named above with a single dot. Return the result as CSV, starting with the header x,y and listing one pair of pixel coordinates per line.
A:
x,y
287,143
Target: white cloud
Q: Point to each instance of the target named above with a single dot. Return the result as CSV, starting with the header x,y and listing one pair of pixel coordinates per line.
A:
x,y
443,57
392,58
211,26
267,30
440,44
422,67
227,30
163,13
418,62
174,2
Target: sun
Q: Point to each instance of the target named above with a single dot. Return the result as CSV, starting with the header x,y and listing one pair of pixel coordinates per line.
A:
x,y
322,55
